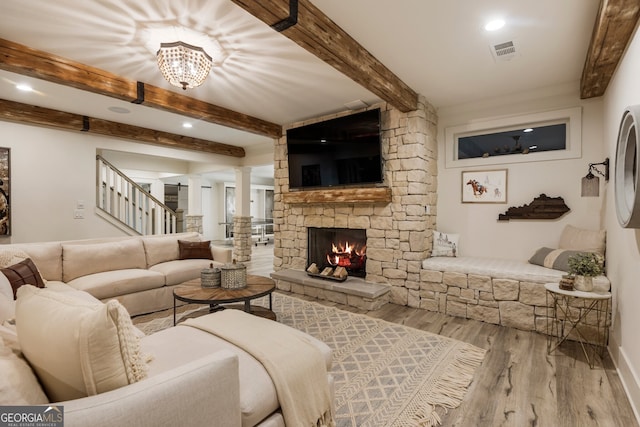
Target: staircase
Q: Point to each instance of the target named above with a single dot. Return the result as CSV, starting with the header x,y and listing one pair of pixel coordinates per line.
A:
x,y
129,204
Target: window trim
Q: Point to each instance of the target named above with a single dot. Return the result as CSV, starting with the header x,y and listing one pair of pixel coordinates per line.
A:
x,y
573,150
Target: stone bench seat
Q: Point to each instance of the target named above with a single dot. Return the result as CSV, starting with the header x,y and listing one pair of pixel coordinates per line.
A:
x,y
499,291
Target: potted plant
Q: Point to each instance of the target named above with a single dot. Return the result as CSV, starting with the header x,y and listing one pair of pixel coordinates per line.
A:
x,y
584,266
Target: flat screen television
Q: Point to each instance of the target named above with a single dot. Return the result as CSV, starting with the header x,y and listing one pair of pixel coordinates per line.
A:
x,y
345,151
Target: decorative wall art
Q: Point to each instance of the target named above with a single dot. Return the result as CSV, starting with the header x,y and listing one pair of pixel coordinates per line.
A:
x,y
5,205
488,186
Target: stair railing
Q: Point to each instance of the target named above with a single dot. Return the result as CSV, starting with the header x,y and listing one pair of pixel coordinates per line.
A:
x,y
128,203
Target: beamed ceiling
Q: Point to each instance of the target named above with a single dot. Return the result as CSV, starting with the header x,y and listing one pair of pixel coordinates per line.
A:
x,y
84,57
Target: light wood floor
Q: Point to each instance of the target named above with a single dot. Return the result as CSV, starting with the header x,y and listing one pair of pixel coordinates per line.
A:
x,y
518,383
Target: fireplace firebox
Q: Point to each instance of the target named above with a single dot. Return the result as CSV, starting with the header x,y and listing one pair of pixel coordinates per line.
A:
x,y
338,247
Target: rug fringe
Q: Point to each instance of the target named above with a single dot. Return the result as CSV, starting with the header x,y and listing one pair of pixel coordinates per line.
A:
x,y
451,387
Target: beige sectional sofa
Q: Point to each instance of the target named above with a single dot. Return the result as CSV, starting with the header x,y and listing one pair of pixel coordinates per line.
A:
x,y
61,345
140,272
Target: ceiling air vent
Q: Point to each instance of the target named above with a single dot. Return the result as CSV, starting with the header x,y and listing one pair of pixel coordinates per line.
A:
x,y
504,51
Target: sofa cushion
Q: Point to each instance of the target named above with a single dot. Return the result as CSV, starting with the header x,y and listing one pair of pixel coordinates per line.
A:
x,y
163,248
24,272
83,259
195,250
7,308
7,303
109,284
179,271
580,239
77,348
46,256
18,384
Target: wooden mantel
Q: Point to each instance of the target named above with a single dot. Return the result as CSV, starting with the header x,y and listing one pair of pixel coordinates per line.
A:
x,y
340,195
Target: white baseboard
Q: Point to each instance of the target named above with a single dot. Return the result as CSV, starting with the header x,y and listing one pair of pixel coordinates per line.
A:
x,y
627,375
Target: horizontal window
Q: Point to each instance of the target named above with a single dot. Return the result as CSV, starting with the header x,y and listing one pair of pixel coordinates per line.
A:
x,y
536,137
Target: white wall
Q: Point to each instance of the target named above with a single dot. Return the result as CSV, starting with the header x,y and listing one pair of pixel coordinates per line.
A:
x,y
481,234
51,170
623,245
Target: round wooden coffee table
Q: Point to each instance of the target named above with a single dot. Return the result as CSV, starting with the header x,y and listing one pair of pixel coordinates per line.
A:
x,y
257,286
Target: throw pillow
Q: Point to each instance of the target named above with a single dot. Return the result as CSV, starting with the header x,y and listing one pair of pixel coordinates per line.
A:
x,y
23,273
195,250
11,255
580,239
557,259
445,244
77,348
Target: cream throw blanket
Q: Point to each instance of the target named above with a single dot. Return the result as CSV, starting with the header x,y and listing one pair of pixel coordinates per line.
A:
x,y
297,368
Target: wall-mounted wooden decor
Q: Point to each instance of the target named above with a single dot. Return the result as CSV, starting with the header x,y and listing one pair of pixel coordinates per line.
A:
x,y
542,207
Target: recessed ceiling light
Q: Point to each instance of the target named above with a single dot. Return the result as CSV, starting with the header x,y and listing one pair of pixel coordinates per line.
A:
x,y
528,130
119,110
187,125
494,25
24,87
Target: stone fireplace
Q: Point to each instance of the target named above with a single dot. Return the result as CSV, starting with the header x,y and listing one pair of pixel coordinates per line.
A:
x,y
398,215
333,247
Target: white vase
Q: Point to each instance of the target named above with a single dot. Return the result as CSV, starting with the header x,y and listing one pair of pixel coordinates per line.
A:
x,y
583,283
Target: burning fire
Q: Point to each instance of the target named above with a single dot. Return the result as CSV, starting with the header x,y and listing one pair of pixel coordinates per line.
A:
x,y
347,255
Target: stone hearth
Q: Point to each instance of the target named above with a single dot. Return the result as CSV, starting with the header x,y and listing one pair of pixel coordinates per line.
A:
x,y
354,291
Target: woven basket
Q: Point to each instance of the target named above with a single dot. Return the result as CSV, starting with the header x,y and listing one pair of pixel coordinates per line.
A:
x,y
210,277
233,276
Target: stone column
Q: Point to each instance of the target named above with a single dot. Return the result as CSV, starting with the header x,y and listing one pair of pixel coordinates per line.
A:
x,y
193,223
242,238
242,219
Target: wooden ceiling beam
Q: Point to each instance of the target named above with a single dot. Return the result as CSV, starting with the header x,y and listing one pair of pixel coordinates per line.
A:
x,y
612,32
24,113
319,35
23,60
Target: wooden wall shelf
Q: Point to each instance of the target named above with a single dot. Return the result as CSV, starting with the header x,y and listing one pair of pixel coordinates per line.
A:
x,y
340,195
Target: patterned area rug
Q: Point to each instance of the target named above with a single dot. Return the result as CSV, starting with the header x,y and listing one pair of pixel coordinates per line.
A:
x,y
386,374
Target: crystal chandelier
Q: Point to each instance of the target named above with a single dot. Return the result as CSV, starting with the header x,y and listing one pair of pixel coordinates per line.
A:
x,y
183,65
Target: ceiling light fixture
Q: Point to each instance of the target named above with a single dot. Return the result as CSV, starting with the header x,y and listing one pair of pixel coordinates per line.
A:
x,y
494,25
184,65
187,125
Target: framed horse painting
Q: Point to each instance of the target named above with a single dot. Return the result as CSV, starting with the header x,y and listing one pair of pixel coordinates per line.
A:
x,y
487,186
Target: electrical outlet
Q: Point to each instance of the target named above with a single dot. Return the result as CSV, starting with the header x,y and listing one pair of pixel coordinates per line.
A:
x,y
80,204
78,214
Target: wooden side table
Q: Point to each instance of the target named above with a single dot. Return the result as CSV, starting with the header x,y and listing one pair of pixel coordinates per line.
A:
x,y
575,311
